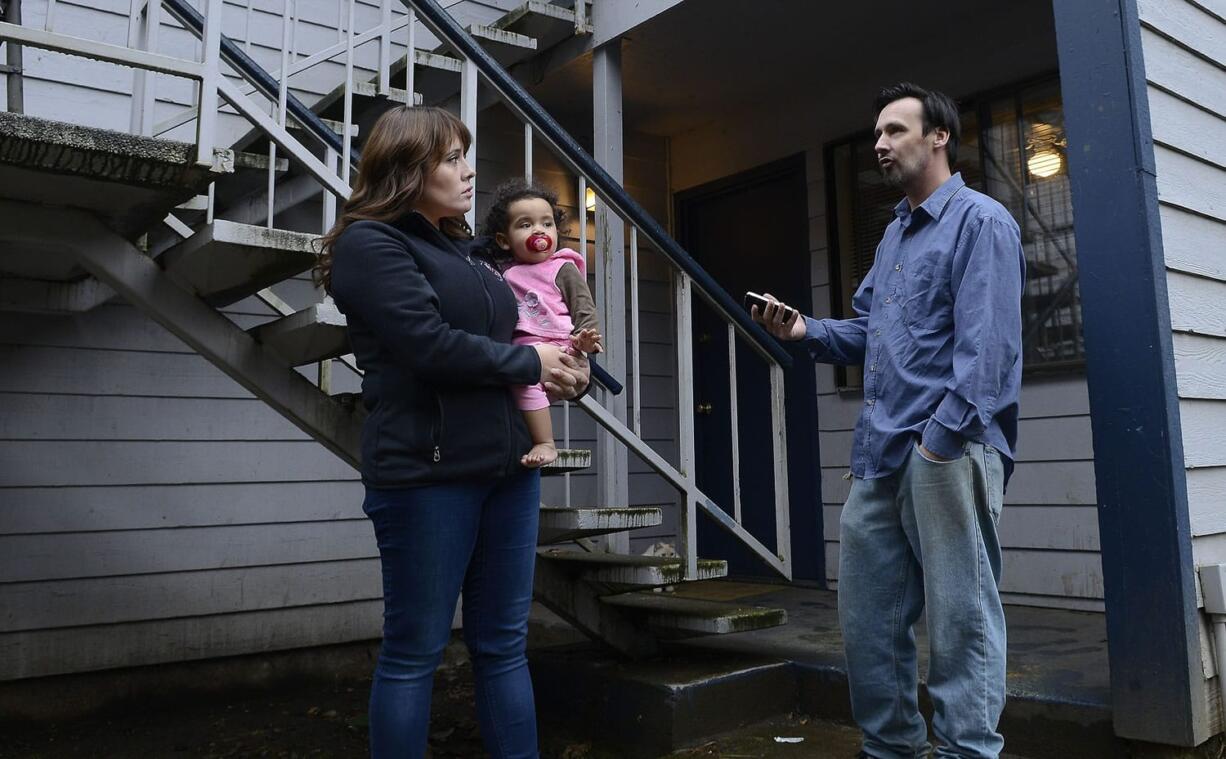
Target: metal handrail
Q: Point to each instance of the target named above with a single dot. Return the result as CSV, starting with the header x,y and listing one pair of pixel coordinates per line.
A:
x,y
518,99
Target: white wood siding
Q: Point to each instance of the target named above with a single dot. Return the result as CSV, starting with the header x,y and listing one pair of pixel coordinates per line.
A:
x,y
1184,48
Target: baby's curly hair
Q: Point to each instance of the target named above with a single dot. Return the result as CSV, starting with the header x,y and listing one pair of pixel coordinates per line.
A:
x,y
498,218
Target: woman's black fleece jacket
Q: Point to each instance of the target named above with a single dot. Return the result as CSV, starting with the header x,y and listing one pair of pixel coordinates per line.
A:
x,y
430,322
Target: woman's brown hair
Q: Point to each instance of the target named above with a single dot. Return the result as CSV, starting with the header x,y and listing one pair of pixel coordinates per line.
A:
x,y
404,146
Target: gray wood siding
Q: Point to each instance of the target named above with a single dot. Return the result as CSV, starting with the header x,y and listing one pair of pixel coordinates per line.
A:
x,y
1184,48
153,510
79,90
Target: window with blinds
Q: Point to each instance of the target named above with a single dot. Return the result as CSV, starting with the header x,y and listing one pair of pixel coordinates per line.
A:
x,y
1013,149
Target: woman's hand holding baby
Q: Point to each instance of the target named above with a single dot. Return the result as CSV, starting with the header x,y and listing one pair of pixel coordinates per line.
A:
x,y
564,376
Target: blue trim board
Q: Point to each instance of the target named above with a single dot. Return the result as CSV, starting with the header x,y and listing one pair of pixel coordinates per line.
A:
x,y
1152,628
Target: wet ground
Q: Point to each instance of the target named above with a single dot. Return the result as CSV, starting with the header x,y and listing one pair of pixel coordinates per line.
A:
x,y
320,721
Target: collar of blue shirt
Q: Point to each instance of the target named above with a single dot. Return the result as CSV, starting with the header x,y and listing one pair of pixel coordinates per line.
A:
x,y
934,206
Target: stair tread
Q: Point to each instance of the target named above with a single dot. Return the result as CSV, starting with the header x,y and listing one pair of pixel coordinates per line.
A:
x,y
622,559
313,334
669,612
628,571
555,514
225,261
569,460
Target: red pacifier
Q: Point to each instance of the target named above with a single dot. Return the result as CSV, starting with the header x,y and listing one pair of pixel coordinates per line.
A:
x,y
539,242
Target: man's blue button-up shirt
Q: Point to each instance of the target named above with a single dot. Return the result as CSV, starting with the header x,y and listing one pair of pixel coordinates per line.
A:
x,y
939,332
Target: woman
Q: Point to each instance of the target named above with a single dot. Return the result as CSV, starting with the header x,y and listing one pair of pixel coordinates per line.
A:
x,y
452,507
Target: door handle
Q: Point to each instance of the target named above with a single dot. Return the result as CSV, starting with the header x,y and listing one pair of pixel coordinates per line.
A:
x,y
704,408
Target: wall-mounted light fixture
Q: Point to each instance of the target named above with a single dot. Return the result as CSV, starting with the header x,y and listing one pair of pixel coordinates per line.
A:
x,y
589,200
1045,146
1044,164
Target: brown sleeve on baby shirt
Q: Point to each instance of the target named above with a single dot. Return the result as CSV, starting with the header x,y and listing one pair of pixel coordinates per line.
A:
x,y
578,298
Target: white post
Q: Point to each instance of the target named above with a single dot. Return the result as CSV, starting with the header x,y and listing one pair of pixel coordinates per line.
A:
x,y
282,99
779,446
410,55
566,444
687,529
528,152
206,122
346,138
612,472
247,31
736,424
385,49
468,114
50,23
329,206
636,385
143,25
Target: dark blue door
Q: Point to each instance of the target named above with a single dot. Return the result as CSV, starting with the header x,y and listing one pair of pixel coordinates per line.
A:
x,y
750,231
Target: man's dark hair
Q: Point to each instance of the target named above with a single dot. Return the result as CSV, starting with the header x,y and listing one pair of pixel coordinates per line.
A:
x,y
939,111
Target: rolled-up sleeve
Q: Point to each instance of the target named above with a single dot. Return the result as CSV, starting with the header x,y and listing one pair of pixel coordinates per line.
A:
x,y
988,274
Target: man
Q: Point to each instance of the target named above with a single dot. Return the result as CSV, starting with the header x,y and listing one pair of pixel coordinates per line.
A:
x,y
939,334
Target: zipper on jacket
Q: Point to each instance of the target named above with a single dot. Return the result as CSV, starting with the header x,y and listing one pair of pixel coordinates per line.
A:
x,y
437,432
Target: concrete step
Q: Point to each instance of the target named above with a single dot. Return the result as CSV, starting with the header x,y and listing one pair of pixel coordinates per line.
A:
x,y
569,460
128,182
506,47
224,262
312,334
629,570
559,525
545,22
669,614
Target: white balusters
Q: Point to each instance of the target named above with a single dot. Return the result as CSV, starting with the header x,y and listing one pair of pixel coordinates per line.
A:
x,y
206,122
687,529
736,425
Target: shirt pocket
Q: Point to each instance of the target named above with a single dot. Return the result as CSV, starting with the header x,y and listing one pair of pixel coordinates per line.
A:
x,y
926,303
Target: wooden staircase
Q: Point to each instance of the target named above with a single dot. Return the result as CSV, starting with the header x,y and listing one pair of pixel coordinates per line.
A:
x,y
624,600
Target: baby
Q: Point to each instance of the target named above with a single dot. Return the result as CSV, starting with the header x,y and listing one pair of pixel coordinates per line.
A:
x,y
550,285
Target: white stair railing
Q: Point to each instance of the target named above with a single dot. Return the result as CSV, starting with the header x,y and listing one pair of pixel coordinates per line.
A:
x,y
272,118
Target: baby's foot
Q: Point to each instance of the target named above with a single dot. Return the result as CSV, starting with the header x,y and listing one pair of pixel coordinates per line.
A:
x,y
540,455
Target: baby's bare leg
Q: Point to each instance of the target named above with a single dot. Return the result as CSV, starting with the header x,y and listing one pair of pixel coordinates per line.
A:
x,y
540,427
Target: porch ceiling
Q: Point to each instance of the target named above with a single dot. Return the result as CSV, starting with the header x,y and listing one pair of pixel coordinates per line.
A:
x,y
705,60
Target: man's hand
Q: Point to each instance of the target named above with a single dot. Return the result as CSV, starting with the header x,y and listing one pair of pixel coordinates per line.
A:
x,y
772,319
929,454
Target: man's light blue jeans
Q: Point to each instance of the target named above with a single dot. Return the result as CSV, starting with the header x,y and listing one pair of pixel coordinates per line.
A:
x,y
925,535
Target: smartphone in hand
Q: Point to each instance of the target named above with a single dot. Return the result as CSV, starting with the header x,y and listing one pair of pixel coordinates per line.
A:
x,y
754,299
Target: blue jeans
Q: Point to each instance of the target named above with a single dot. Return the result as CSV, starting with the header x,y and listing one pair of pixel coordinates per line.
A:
x,y
433,541
925,535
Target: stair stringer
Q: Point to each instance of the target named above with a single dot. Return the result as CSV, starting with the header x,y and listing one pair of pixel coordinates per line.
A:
x,y
139,280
